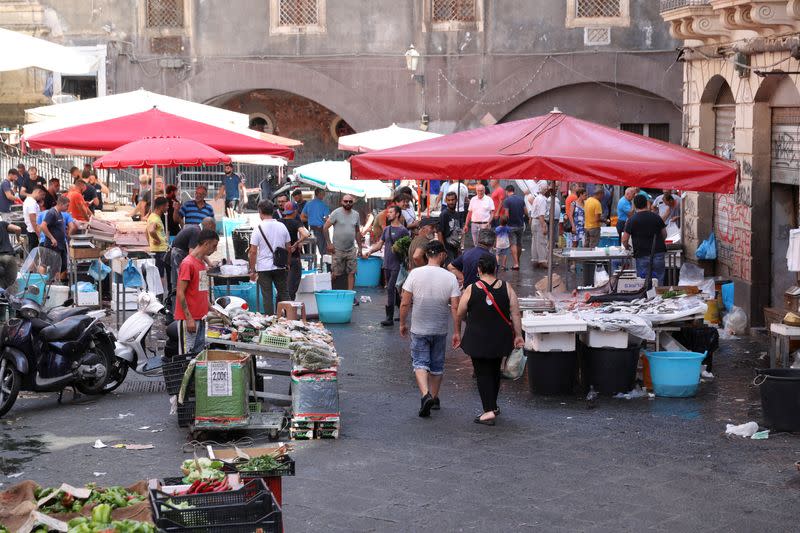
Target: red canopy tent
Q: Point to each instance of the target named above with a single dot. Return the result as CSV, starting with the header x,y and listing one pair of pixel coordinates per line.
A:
x,y
110,134
162,151
551,147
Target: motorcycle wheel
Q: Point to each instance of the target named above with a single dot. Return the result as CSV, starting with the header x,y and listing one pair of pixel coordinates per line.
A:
x,y
119,370
10,383
98,355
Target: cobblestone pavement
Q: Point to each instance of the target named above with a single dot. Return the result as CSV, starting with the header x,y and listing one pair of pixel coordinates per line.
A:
x,y
550,464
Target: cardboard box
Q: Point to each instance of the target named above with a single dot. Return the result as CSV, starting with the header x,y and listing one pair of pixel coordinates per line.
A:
x,y
85,253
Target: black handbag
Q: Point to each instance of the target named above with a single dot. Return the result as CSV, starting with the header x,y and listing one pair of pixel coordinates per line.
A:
x,y
280,255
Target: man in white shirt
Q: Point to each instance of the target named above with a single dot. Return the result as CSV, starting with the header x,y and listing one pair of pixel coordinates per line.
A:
x,y
267,238
538,214
461,191
431,294
480,214
30,210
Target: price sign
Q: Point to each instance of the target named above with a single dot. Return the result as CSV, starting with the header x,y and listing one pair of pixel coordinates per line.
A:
x,y
220,381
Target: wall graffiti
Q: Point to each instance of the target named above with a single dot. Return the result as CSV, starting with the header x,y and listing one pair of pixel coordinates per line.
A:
x,y
744,193
734,235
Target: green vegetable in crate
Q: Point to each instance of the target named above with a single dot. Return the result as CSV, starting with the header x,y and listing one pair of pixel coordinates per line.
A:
x,y
263,463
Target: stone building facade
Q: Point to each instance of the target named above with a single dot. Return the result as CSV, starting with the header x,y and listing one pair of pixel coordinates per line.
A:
x,y
741,101
312,68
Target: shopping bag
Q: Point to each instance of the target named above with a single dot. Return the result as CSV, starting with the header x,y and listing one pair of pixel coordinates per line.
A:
x,y
515,364
707,249
131,277
99,270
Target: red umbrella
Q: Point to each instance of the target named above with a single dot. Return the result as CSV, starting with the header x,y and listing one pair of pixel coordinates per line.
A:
x,y
162,151
110,134
552,147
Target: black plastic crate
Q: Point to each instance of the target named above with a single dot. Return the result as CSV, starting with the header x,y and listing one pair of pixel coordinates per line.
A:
x,y
286,469
251,508
174,368
186,412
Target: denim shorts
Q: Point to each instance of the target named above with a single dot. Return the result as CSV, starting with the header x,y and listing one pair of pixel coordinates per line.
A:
x,y
515,236
502,252
427,353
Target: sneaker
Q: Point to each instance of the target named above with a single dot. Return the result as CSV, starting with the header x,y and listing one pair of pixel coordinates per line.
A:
x,y
436,404
425,406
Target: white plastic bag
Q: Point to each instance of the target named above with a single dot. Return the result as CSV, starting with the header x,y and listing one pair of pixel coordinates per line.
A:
x,y
691,274
735,322
742,430
515,364
600,276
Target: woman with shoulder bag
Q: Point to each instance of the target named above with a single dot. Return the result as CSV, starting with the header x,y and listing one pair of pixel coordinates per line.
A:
x,y
491,310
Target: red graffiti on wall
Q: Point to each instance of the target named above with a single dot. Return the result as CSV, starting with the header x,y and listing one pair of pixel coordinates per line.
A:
x,y
734,236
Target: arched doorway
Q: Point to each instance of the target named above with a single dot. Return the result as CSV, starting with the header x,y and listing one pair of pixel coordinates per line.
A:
x,y
623,106
290,115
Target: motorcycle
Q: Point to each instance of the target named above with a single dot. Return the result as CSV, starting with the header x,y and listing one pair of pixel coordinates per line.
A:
x,y
41,356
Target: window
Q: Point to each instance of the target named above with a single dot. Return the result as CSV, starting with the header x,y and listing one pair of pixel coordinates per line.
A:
x,y
297,16
583,13
164,13
453,11
654,131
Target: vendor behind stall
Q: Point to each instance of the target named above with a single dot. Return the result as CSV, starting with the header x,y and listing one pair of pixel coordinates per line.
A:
x,y
648,231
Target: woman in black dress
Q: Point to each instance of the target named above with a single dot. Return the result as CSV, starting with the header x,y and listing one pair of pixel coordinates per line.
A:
x,y
491,310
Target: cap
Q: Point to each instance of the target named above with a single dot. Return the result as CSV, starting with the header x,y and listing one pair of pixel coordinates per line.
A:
x,y
288,208
434,247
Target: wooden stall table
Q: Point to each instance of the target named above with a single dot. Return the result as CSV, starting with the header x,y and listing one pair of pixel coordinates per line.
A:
x,y
780,335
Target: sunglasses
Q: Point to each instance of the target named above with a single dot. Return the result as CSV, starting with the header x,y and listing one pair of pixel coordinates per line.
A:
x,y
347,202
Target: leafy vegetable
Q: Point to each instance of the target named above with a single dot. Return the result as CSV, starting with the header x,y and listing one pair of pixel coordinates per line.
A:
x,y
401,246
115,497
83,524
263,463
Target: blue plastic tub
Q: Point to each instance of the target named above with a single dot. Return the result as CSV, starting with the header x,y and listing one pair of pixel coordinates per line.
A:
x,y
248,291
335,307
30,280
369,272
605,242
675,374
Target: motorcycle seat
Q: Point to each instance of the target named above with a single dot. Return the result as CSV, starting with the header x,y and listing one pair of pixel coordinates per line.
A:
x,y
66,330
60,313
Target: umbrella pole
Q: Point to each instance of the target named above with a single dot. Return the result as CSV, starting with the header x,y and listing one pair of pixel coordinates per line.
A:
x,y
550,238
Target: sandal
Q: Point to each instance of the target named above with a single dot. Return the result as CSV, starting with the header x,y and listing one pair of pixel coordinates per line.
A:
x,y
489,422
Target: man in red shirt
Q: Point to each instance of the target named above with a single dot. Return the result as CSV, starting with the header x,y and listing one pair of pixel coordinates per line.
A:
x,y
191,306
77,205
498,195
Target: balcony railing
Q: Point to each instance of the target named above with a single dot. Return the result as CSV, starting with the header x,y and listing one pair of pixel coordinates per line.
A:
x,y
670,5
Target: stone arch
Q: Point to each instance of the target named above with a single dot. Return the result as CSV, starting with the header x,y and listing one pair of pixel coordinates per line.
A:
x,y
715,86
635,71
229,78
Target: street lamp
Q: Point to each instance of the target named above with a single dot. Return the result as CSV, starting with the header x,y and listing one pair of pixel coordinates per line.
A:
x,y
412,62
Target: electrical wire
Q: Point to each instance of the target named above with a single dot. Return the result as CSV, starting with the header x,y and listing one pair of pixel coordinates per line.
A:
x,y
741,65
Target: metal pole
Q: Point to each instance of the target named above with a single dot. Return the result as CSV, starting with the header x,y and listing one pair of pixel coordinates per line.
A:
x,y
550,237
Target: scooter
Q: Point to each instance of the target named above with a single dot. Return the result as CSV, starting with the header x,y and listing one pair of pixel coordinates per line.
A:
x,y
130,348
40,356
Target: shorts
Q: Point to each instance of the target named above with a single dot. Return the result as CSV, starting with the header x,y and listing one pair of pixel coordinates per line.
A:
x,y
502,252
427,353
515,236
344,262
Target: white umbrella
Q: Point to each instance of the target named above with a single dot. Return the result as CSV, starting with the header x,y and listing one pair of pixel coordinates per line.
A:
x,y
334,176
22,51
383,138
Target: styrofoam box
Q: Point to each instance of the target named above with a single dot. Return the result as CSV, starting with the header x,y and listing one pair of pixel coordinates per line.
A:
x,y
88,298
315,282
310,301
596,338
56,296
552,342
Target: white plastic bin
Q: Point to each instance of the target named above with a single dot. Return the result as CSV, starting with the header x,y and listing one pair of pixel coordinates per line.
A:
x,y
550,342
57,295
551,332
311,283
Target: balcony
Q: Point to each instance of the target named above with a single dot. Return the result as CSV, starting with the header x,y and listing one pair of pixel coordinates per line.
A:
x,y
712,21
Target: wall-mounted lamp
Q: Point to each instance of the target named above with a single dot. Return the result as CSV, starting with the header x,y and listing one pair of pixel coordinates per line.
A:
x,y
424,120
412,62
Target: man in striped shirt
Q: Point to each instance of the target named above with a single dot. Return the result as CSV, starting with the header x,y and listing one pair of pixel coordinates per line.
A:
x,y
194,211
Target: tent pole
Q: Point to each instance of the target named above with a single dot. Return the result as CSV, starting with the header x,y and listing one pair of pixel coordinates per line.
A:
x,y
550,237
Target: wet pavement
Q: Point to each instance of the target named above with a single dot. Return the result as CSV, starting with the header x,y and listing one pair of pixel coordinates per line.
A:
x,y
551,463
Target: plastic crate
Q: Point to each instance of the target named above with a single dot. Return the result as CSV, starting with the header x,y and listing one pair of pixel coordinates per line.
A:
x,y
186,413
274,341
247,509
286,469
174,368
